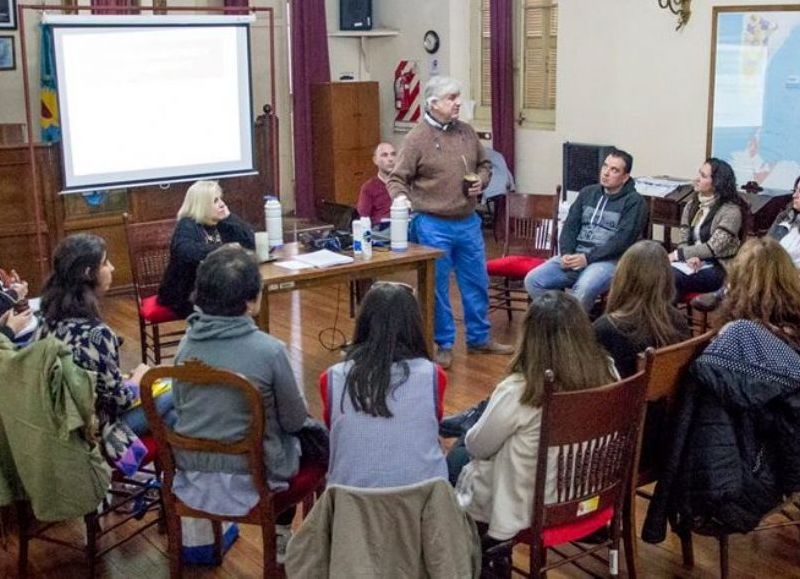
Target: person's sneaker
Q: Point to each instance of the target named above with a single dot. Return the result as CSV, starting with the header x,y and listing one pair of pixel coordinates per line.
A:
x,y
455,425
707,302
491,347
282,535
444,357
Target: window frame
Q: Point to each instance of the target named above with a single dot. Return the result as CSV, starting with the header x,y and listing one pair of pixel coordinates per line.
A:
x,y
526,118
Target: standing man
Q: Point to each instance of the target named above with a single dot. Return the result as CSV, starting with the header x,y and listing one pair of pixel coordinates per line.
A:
x,y
373,198
435,157
604,221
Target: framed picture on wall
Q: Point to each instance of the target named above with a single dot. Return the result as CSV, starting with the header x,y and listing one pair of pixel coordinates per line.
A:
x,y
8,14
7,59
754,96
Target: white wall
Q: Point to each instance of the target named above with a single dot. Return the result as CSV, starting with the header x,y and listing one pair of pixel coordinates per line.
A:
x,y
625,77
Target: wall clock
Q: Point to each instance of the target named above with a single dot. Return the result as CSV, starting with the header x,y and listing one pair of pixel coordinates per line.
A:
x,y
431,41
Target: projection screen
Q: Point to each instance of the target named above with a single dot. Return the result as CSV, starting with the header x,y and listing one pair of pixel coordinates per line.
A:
x,y
152,99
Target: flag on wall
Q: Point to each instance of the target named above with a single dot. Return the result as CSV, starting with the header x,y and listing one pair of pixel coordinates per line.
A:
x,y
49,119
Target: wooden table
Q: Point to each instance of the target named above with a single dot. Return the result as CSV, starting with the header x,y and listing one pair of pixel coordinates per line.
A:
x,y
382,263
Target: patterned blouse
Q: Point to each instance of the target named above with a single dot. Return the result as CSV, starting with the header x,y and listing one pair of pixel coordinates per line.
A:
x,y
95,347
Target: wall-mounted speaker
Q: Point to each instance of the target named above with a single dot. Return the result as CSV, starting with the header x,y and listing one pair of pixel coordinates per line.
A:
x,y
355,14
581,164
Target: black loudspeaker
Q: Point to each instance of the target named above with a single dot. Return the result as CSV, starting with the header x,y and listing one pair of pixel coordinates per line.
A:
x,y
355,14
581,164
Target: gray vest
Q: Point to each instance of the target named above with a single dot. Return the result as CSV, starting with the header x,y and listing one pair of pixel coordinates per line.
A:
x,y
373,451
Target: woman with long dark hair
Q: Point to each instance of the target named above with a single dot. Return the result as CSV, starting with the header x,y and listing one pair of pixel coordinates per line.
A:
x,y
711,230
383,404
82,274
640,313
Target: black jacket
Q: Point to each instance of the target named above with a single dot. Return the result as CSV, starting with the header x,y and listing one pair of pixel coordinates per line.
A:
x,y
188,248
603,226
735,448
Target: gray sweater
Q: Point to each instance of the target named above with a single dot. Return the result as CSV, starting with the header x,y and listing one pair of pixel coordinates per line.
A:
x,y
235,343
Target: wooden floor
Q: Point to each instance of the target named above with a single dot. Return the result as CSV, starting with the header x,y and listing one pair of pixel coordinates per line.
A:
x,y
298,319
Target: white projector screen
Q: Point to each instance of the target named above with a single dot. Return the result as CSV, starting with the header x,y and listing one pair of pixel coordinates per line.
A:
x,y
153,99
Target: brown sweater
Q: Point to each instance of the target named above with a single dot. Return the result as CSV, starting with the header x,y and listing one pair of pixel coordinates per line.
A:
x,y
430,170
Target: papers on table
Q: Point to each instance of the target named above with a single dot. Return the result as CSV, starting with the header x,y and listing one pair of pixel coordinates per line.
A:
x,y
687,269
658,186
321,258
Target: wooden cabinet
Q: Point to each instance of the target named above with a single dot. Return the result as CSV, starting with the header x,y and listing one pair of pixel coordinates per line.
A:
x,y
346,130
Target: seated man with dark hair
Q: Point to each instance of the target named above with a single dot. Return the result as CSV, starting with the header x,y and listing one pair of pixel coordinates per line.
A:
x,y
604,221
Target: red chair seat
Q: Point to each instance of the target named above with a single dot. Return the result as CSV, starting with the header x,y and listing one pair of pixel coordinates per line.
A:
x,y
153,312
149,442
308,478
513,266
687,298
560,534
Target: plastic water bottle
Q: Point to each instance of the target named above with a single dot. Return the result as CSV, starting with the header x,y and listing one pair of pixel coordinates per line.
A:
x,y
398,228
358,239
274,219
366,236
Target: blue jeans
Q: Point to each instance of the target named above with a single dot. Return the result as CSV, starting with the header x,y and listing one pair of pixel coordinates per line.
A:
x,y
587,284
461,241
137,421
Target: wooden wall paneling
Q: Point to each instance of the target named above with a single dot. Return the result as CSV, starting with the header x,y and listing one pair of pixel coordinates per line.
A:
x,y
18,245
112,230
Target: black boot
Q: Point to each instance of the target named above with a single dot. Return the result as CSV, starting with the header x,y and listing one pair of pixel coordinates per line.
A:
x,y
455,425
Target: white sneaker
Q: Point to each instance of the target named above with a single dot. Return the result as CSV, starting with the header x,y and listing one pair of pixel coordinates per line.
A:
x,y
282,535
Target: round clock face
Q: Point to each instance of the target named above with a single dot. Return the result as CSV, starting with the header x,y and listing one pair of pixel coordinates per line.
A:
x,y
431,42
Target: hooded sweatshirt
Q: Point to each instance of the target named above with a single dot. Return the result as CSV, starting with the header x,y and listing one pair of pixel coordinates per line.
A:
x,y
603,226
220,413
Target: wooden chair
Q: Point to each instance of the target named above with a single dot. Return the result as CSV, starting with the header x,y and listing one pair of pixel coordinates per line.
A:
x,y
148,251
669,367
591,436
698,326
108,520
530,237
302,487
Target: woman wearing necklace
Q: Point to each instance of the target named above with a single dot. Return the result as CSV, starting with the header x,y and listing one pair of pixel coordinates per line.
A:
x,y
711,230
204,224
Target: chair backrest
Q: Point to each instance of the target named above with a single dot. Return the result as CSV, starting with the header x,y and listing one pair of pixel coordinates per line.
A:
x,y
196,374
593,435
670,367
530,224
148,251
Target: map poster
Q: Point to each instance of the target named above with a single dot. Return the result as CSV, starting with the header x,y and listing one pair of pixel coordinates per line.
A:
x,y
754,121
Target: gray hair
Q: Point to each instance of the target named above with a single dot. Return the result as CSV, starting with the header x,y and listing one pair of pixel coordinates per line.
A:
x,y
439,87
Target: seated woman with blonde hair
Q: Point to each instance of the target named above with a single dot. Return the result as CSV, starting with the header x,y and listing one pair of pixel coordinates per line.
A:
x,y
204,224
764,288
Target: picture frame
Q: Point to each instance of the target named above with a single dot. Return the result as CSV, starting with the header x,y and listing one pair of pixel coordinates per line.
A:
x,y
8,14
754,89
8,60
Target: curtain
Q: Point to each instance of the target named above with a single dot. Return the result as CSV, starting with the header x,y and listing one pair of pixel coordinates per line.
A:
x,y
501,49
310,65
236,3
